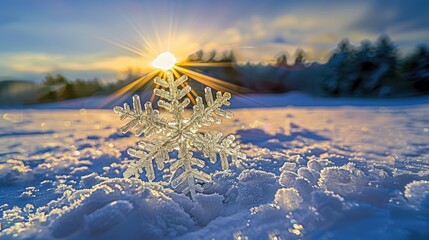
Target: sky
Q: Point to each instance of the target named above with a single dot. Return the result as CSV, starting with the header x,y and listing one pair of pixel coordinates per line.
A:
x,y
102,38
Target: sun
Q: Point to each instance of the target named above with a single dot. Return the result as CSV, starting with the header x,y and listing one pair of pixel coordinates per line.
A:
x,y
165,61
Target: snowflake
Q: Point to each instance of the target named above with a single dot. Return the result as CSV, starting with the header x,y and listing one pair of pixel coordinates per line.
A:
x,y
178,133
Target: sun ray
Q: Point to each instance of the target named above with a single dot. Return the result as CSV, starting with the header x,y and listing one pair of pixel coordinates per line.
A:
x,y
148,48
126,91
212,81
201,64
220,85
170,31
128,47
146,42
157,36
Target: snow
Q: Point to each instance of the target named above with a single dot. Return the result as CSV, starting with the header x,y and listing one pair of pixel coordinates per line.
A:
x,y
247,101
288,199
321,172
14,171
417,191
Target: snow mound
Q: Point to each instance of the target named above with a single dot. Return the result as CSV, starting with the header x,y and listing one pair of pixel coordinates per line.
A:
x,y
256,187
105,218
343,180
14,171
207,207
288,199
107,210
417,191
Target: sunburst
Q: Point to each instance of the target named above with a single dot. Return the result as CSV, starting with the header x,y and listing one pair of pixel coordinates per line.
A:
x,y
158,64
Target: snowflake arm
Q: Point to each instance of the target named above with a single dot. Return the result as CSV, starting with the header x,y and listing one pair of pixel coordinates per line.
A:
x,y
204,115
211,145
147,121
173,95
186,179
157,150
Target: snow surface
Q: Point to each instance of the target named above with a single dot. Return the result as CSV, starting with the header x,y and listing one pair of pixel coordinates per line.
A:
x,y
244,101
336,172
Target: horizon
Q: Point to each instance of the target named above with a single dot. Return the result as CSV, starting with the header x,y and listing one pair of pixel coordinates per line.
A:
x,y
95,39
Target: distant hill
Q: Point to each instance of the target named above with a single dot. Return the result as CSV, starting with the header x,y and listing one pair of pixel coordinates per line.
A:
x,y
16,92
7,78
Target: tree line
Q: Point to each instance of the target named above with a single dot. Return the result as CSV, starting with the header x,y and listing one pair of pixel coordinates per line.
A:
x,y
375,69
368,69
57,87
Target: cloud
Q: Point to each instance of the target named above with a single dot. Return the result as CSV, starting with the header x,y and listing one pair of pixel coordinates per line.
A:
x,y
318,26
394,16
316,30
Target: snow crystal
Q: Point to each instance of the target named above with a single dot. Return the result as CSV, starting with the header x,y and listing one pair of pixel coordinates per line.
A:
x,y
179,133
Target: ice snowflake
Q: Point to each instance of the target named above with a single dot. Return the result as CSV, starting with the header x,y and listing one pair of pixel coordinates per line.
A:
x,y
178,132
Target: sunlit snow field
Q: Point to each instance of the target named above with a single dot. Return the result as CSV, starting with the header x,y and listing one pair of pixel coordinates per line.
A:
x,y
337,172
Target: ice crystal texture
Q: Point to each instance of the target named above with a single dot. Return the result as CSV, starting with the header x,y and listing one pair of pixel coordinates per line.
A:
x,y
179,133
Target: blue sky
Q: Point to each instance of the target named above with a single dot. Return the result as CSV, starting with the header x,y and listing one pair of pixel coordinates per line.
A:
x,y
77,38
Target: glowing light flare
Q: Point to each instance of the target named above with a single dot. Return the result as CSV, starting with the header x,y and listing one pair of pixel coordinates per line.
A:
x,y
211,81
218,84
165,61
123,93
